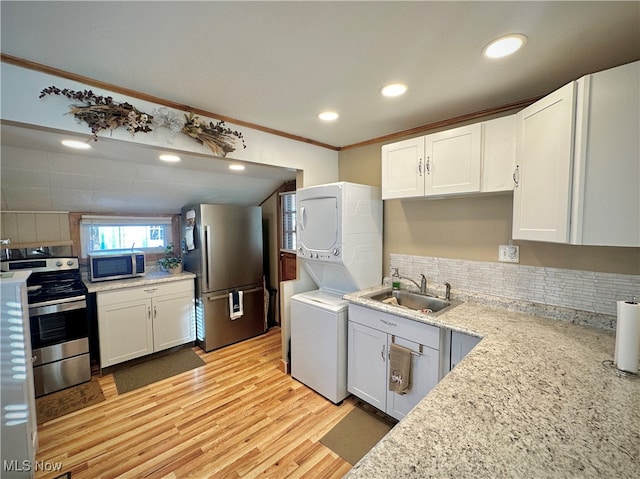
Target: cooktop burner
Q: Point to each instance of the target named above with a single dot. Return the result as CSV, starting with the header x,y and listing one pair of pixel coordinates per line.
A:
x,y
51,279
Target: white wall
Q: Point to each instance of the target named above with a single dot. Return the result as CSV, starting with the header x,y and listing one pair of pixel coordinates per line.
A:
x,y
20,103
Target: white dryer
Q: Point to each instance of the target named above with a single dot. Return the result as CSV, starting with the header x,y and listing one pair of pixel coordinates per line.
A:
x,y
340,245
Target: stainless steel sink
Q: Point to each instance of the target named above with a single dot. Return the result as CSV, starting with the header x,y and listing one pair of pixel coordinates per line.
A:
x,y
415,301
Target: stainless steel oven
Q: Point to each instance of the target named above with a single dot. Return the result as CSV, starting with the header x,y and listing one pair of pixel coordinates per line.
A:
x,y
58,320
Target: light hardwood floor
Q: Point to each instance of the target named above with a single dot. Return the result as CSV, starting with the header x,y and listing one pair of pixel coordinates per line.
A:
x,y
238,416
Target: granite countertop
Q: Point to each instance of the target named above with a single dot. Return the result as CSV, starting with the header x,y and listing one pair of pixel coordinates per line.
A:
x,y
532,399
150,278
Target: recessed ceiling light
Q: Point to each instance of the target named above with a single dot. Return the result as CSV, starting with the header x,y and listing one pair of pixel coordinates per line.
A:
x,y
79,145
236,167
394,89
169,158
504,46
328,116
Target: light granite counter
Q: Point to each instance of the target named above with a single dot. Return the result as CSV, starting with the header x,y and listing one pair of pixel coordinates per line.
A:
x,y
150,278
531,400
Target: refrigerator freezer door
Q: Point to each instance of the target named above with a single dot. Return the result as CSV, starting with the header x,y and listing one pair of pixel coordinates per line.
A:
x,y
216,329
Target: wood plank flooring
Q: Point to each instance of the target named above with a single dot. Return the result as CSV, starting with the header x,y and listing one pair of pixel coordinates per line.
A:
x,y
238,416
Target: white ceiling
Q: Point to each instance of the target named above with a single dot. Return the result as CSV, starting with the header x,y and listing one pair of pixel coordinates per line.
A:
x,y
277,64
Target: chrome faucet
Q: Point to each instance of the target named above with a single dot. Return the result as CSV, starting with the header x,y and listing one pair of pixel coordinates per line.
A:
x,y
422,285
447,293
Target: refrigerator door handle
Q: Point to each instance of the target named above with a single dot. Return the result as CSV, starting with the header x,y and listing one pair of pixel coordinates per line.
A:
x,y
207,259
225,296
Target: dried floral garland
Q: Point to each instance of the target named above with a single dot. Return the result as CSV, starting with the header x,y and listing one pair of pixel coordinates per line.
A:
x,y
103,113
214,135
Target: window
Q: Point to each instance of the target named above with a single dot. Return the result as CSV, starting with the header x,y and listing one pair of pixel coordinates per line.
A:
x,y
288,209
104,233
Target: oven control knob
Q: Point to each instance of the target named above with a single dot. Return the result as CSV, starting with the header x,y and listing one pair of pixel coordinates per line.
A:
x,y
336,252
58,263
70,262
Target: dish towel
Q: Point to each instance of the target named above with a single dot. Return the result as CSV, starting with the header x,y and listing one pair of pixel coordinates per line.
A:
x,y
236,308
399,369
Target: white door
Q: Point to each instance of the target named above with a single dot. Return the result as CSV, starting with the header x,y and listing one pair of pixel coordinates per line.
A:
x,y
403,169
172,320
318,346
498,154
544,157
606,196
318,223
453,161
367,364
126,331
424,377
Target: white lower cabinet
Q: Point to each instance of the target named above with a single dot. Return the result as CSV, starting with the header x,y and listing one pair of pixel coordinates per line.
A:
x,y
134,322
371,334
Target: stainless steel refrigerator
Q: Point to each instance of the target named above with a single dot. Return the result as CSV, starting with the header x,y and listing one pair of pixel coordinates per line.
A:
x,y
222,245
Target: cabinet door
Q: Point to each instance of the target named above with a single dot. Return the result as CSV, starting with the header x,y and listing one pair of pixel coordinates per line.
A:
x,y
606,196
461,345
126,331
544,156
367,364
498,154
453,161
173,320
403,169
424,377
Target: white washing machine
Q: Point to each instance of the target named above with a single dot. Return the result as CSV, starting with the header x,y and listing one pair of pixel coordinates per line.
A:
x,y
319,342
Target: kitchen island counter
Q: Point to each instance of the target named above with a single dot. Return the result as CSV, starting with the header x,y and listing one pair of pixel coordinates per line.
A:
x,y
532,399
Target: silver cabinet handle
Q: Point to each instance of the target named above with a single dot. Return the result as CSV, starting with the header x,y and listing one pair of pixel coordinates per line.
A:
x,y
150,290
428,166
420,166
155,312
149,312
516,176
382,352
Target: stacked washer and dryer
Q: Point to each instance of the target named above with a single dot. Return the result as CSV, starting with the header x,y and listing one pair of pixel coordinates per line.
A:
x,y
339,228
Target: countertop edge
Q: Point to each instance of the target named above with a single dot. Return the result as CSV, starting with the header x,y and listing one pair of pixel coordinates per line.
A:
x,y
150,278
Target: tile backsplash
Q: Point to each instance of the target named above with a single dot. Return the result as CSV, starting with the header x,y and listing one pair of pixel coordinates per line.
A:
x,y
586,297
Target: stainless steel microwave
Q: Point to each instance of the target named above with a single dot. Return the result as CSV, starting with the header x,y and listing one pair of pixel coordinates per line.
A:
x,y
120,264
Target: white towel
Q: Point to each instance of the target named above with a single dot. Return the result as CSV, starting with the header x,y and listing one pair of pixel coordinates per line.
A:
x,y
236,308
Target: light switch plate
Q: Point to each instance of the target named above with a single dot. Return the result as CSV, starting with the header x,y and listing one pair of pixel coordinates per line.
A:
x,y
508,253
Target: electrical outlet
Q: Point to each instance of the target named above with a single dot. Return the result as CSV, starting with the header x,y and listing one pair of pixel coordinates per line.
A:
x,y
508,253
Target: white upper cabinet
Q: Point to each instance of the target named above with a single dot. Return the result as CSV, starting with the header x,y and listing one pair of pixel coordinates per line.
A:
x,y
606,191
498,154
578,163
453,161
403,169
544,152
471,159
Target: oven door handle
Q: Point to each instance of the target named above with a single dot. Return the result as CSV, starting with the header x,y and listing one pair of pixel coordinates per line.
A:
x,y
57,308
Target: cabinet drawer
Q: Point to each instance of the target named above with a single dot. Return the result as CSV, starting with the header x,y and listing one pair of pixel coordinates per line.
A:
x,y
421,333
106,298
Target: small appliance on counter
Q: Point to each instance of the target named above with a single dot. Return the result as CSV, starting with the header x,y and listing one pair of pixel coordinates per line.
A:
x,y
222,245
116,264
340,245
